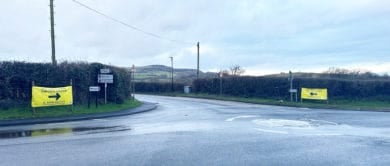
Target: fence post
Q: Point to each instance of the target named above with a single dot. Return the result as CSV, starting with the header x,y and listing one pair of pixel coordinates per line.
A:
x,y
71,84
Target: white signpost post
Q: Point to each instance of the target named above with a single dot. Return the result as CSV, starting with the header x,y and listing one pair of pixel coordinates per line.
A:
x,y
106,79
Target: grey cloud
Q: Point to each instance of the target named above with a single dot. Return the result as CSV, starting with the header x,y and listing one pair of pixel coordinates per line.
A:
x,y
271,34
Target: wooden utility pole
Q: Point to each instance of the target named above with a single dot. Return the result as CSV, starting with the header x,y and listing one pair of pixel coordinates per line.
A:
x,y
197,71
53,47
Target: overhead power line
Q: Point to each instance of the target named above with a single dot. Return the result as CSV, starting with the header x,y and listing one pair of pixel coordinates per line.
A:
x,y
128,25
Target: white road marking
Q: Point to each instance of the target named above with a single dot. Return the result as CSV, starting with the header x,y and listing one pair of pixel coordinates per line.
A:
x,y
60,123
272,131
240,117
103,120
328,134
323,121
281,123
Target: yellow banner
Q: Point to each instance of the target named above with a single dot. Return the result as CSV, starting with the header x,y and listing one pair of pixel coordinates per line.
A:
x,y
44,97
314,93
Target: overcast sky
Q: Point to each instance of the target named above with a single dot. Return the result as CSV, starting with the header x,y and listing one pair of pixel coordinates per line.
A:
x,y
262,36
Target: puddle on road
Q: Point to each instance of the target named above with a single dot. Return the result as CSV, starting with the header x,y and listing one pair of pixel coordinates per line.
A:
x,y
55,131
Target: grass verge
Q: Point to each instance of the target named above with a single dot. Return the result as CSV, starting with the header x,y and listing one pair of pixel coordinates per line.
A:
x,y
64,111
366,105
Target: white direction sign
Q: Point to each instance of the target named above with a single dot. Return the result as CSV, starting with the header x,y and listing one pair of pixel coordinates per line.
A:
x,y
106,78
105,71
94,88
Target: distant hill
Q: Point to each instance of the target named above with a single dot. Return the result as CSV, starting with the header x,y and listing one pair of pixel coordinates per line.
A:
x,y
367,76
161,73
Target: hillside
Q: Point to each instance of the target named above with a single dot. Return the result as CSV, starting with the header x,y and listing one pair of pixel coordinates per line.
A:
x,y
161,73
367,76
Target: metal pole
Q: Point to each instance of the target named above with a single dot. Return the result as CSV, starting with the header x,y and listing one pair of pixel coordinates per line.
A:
x,y
71,84
131,84
291,86
134,84
96,99
89,99
220,84
105,93
133,69
197,71
53,47
171,74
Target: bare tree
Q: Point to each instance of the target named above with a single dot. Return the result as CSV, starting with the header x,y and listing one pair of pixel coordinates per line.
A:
x,y
224,73
236,70
334,70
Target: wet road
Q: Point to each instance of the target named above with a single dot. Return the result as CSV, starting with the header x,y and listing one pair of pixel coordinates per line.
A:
x,y
183,131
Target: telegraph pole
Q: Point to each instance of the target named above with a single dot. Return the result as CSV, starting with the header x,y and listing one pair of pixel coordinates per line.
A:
x,y
171,73
53,49
197,71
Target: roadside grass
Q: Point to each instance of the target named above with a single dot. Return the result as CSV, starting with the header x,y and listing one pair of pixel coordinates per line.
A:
x,y
64,111
367,105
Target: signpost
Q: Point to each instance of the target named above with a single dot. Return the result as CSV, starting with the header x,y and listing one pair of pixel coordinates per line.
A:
x,y
132,75
220,83
105,71
93,89
106,79
294,91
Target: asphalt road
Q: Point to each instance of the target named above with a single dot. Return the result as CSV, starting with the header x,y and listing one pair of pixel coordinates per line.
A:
x,y
183,131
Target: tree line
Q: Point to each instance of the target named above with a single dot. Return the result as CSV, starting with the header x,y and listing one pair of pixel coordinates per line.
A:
x,y
278,87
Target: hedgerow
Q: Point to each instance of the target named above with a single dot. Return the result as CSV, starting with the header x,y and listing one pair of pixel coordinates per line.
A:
x,y
16,80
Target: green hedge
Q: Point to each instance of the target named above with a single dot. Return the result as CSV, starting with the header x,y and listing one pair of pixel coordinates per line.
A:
x,y
277,87
16,80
